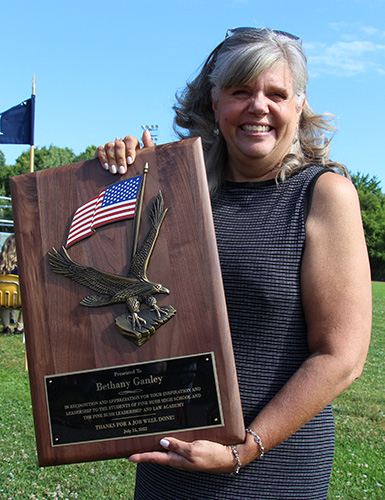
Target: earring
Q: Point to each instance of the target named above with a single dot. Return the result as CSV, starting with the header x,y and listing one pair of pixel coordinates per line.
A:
x,y
216,130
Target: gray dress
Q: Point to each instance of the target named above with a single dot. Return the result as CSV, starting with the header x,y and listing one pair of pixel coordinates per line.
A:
x,y
260,228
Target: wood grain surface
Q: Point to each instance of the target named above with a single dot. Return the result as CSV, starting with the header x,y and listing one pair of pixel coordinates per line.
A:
x,y
64,337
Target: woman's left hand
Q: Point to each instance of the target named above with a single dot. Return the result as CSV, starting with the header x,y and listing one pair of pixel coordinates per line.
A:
x,y
203,456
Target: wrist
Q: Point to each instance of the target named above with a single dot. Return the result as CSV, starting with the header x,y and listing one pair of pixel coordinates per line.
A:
x,y
238,463
257,441
251,449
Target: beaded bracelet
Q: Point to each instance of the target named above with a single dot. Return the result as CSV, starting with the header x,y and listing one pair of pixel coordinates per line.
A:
x,y
258,441
236,456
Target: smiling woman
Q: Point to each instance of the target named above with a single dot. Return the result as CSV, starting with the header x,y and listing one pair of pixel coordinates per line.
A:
x,y
258,122
300,320
238,62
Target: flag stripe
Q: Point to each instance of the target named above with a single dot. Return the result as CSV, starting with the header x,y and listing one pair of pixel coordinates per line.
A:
x,y
83,215
81,231
79,237
82,222
113,213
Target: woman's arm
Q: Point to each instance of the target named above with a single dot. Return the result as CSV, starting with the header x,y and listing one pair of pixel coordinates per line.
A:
x,y
336,296
336,291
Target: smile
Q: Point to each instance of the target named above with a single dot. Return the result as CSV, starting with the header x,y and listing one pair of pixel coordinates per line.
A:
x,y
253,129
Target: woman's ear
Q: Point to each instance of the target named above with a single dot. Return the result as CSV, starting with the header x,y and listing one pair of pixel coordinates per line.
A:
x,y
214,102
303,101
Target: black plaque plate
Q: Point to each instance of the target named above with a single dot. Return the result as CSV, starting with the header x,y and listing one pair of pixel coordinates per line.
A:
x,y
133,400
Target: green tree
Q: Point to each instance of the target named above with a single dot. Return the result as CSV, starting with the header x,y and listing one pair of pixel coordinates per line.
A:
x,y
6,172
52,156
5,212
44,158
2,159
88,154
372,201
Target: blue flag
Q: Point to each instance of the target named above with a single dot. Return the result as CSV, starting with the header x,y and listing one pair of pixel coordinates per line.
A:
x,y
17,125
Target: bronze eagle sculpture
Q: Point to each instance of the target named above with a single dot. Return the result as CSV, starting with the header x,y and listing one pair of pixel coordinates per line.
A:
x,y
133,289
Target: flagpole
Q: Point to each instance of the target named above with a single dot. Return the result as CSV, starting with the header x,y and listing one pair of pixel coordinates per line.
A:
x,y
138,212
32,150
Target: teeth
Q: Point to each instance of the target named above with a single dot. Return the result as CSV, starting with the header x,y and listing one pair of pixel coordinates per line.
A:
x,y
256,128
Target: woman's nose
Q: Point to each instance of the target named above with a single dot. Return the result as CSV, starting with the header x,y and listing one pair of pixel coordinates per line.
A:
x,y
258,104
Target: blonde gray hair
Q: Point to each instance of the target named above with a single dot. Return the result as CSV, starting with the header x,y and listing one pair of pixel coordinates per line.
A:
x,y
8,258
237,61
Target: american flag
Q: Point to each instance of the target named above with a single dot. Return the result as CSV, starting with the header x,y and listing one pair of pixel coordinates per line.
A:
x,y
114,203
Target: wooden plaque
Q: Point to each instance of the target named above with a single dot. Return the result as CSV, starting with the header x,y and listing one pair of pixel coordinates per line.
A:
x,y
95,393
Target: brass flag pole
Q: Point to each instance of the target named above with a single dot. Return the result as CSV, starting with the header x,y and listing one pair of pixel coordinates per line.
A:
x,y
138,212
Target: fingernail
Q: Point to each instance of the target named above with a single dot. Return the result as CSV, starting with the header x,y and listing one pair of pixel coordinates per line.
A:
x,y
106,166
129,160
164,443
113,169
122,170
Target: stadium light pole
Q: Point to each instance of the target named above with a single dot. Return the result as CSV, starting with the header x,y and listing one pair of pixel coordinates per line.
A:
x,y
153,129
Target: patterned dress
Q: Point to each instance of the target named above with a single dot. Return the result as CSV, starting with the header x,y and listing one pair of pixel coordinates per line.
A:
x,y
260,228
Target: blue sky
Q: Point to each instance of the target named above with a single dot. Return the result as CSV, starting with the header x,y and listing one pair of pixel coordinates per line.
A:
x,y
105,67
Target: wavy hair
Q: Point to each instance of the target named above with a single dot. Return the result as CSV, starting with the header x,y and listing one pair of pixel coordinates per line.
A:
x,y
8,258
237,61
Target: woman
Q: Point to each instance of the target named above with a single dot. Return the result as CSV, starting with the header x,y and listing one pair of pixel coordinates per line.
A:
x,y
8,265
295,272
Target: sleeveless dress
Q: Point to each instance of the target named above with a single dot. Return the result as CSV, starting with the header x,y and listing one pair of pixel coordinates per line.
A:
x,y
260,229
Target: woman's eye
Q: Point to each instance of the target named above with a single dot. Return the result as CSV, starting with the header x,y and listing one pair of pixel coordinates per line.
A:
x,y
278,96
239,92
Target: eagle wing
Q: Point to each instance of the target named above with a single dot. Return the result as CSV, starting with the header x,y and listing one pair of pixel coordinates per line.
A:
x,y
91,277
138,267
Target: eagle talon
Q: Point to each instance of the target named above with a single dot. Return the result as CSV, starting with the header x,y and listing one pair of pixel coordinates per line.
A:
x,y
151,301
136,320
159,311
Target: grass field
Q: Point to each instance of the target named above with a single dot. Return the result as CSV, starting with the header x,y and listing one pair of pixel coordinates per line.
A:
x,y
359,466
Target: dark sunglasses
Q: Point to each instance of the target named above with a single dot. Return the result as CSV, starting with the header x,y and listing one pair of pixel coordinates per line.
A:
x,y
234,31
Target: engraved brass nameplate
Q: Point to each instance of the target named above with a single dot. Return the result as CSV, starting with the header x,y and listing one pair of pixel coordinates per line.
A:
x,y
134,400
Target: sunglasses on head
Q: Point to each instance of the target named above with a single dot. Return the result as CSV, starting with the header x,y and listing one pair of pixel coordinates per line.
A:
x,y
210,61
234,31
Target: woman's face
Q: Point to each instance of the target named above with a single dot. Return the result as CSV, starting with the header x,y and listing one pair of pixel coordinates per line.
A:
x,y
258,122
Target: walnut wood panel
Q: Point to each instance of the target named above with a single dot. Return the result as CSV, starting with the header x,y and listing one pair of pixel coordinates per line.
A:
x,y
64,337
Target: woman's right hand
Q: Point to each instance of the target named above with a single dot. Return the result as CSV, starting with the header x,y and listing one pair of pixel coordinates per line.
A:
x,y
116,155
